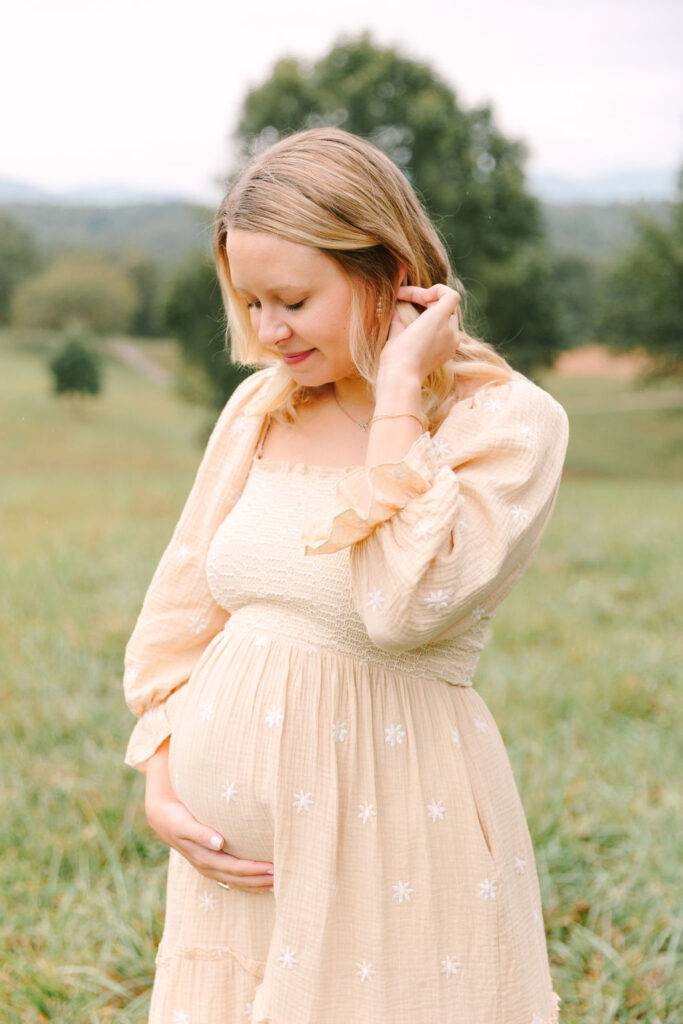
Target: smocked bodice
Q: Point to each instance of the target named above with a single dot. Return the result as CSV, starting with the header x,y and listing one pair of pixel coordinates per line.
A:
x,y
257,570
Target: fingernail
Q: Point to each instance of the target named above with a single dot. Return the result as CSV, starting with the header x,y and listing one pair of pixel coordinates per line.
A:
x,y
270,871
271,890
215,842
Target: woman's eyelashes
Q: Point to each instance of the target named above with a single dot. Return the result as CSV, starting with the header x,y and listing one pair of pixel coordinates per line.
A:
x,y
289,306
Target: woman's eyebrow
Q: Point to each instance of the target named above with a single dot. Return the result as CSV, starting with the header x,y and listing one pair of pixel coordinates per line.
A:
x,y
270,291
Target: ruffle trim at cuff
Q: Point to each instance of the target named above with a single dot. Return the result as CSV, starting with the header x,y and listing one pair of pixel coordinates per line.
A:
x,y
150,732
392,485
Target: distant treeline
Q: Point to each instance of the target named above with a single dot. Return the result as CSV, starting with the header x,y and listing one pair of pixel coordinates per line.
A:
x,y
170,231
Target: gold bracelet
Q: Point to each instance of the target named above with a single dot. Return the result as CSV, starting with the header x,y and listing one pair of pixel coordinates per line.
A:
x,y
422,420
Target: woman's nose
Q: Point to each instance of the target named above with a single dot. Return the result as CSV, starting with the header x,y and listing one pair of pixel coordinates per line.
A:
x,y
272,329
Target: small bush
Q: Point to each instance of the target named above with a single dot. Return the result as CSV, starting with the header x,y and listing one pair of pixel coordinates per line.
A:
x,y
76,367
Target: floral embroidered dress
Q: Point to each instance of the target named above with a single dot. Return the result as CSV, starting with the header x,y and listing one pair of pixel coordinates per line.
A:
x,y
312,661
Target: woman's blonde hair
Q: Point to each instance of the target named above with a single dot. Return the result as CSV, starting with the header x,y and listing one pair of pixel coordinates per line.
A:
x,y
336,192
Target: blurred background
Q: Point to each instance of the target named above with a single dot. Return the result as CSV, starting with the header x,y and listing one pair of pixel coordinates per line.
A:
x,y
545,141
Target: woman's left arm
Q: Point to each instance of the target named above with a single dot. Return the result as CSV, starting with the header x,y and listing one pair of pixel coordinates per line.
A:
x,y
452,525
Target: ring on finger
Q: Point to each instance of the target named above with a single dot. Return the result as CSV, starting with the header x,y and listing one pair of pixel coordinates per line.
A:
x,y
223,885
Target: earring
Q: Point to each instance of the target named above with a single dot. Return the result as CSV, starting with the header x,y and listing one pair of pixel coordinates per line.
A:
x,y
380,305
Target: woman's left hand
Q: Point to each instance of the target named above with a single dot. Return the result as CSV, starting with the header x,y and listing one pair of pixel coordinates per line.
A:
x,y
431,340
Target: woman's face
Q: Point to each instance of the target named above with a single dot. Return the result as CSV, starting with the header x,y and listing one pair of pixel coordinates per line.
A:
x,y
299,302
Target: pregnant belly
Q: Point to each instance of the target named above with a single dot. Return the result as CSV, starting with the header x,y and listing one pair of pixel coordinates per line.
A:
x,y
225,745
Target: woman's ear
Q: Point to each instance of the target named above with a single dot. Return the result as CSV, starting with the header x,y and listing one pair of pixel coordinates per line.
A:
x,y
401,275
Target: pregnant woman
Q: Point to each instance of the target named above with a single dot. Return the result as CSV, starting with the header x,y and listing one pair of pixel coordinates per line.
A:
x,y
347,842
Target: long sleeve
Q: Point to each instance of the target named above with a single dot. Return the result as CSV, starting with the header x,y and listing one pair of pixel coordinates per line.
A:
x,y
451,528
179,616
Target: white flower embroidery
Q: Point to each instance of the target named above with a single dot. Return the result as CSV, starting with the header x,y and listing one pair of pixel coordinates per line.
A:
x,y
442,448
365,970
481,725
463,524
287,957
537,1019
248,1010
436,600
180,1017
488,889
520,865
520,514
493,404
375,599
367,812
525,432
274,716
206,711
456,736
207,902
239,426
261,641
394,734
423,528
402,892
183,552
339,731
229,792
176,858
197,624
302,801
450,966
436,810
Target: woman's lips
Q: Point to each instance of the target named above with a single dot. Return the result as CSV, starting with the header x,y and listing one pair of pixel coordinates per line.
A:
x,y
297,357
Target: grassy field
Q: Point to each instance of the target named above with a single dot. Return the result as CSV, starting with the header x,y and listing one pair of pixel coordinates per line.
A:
x,y
580,673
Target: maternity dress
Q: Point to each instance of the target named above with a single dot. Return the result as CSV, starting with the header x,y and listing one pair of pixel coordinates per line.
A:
x,y
312,661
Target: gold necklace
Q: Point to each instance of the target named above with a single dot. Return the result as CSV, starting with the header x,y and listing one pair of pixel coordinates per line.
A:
x,y
363,424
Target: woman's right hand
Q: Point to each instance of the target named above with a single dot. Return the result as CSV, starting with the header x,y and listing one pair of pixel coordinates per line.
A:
x,y
200,845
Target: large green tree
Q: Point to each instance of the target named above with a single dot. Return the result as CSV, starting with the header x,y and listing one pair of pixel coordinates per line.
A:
x,y
81,286
468,174
642,294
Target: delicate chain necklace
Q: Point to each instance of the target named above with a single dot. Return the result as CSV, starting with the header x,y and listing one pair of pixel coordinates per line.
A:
x,y
363,424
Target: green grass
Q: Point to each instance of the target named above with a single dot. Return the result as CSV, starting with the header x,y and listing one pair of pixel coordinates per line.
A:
x,y
580,673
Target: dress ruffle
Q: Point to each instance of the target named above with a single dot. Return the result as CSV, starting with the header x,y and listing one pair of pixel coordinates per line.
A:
x,y
149,733
552,1019
392,485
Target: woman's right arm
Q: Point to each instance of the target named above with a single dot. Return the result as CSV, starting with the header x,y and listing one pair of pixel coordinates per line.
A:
x,y
179,616
199,844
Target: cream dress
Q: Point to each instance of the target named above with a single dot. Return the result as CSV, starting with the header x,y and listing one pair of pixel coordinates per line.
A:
x,y
312,662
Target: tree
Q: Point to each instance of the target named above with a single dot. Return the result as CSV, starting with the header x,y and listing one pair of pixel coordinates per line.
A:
x,y
143,271
194,314
18,260
642,303
574,279
77,286
467,173
76,368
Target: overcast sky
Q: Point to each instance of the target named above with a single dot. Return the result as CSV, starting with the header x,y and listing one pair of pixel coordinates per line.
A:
x,y
145,92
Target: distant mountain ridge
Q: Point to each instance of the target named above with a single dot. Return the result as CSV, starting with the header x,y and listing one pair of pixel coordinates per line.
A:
x,y
650,184
169,231
87,195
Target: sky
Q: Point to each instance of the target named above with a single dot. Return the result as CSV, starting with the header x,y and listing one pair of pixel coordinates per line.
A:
x,y
145,93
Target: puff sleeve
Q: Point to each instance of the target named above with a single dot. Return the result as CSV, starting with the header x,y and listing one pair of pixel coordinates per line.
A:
x,y
451,528
179,616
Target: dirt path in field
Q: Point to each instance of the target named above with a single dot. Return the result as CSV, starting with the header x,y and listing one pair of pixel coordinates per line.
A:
x,y
132,356
597,362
